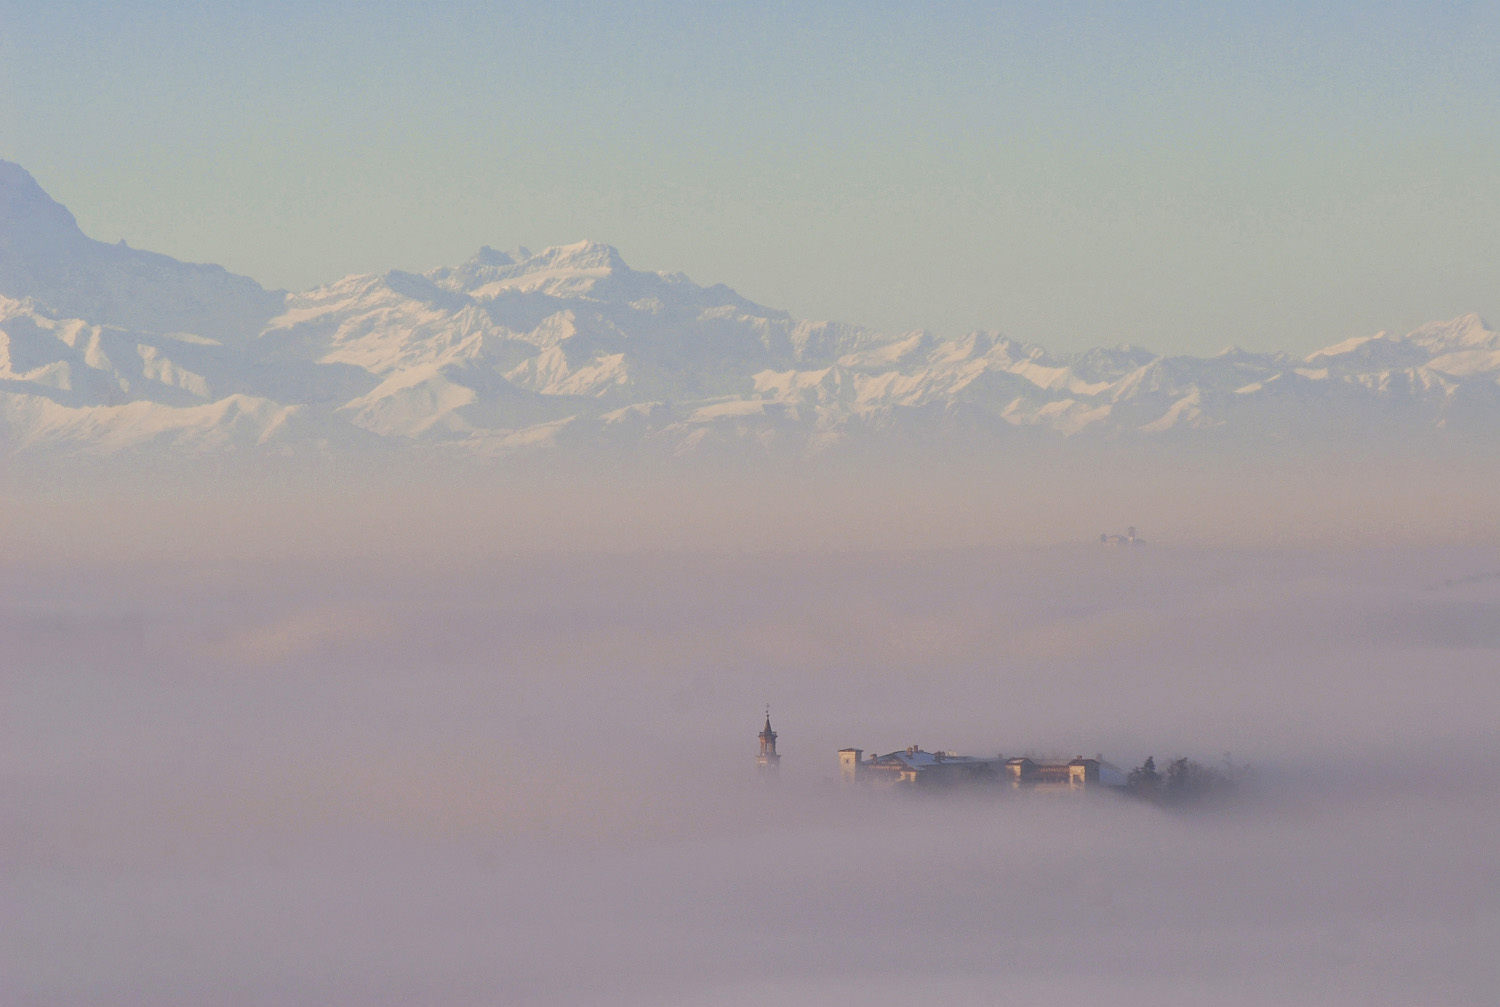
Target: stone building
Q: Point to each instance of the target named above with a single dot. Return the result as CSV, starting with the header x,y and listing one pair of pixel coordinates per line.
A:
x,y
1077,774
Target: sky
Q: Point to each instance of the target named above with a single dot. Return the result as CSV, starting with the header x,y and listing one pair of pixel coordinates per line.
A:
x,y
1169,175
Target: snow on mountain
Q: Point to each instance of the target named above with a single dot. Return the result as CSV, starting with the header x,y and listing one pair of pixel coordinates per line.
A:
x,y
105,348
236,422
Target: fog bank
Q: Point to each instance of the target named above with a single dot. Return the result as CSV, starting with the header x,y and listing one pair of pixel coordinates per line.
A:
x,y
444,513
526,776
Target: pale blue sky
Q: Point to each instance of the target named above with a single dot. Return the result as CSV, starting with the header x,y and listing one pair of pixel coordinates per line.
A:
x,y
1073,174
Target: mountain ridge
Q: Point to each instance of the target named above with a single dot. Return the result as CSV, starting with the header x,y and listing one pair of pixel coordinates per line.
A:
x,y
106,349
45,256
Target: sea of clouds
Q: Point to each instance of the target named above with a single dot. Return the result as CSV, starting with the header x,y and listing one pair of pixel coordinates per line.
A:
x,y
479,746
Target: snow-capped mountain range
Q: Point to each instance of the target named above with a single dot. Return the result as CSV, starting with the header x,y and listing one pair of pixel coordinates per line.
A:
x,y
105,348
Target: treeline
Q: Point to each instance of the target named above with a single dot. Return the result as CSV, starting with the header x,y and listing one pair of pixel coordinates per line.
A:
x,y
1185,781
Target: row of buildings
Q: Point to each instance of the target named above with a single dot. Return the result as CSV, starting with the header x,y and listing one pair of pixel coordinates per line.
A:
x,y
913,767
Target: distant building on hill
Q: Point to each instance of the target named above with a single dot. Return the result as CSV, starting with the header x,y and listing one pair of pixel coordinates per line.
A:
x,y
1129,538
914,767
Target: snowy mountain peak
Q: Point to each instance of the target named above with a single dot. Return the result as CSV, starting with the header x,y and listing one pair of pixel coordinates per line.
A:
x,y
1353,344
563,269
585,271
586,256
106,348
1466,332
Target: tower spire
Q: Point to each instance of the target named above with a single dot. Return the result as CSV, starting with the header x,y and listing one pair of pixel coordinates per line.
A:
x,y
767,760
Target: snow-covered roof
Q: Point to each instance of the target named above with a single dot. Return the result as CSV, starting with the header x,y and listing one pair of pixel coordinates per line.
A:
x,y
920,760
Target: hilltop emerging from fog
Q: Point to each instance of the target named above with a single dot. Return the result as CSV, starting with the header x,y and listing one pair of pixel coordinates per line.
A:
x,y
105,349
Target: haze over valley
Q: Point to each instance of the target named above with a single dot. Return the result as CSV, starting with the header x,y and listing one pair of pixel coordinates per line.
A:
x,y
385,780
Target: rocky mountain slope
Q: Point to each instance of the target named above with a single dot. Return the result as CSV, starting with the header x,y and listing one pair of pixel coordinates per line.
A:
x,y
104,348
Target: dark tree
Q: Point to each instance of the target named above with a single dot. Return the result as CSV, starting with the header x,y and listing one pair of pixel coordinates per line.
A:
x,y
1190,781
1184,782
1144,779
1180,777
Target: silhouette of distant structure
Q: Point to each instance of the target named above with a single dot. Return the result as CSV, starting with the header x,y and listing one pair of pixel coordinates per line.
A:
x,y
1129,538
767,761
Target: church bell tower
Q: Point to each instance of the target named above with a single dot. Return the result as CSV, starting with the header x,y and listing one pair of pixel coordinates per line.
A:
x,y
767,761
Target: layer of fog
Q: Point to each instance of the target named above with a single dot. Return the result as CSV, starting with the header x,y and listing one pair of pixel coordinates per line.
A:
x,y
451,512
471,766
